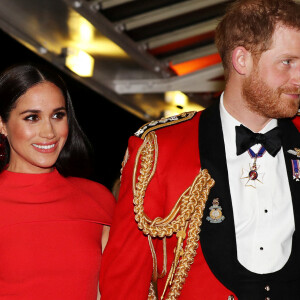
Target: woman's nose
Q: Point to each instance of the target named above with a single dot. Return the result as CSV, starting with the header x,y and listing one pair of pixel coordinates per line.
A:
x,y
47,130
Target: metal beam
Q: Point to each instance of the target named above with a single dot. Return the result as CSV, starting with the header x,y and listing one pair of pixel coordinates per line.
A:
x,y
200,81
180,34
137,52
192,54
111,3
99,86
166,13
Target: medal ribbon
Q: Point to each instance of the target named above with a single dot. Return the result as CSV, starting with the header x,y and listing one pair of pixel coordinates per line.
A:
x,y
260,153
296,167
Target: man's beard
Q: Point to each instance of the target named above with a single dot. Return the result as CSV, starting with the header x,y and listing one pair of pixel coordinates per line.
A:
x,y
268,102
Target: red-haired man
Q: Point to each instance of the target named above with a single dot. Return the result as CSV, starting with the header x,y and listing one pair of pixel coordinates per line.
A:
x,y
249,246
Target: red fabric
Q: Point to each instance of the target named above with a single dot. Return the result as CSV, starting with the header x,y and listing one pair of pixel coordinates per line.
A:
x,y
296,122
127,261
50,236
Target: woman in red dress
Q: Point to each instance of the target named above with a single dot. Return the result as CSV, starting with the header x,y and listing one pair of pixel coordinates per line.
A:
x,y
53,222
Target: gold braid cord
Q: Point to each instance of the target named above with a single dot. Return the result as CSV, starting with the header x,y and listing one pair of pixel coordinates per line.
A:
x,y
184,219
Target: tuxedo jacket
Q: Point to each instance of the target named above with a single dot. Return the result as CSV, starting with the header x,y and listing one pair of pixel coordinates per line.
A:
x,y
184,147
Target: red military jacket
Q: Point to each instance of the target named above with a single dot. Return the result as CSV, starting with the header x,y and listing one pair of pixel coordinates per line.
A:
x,y
127,261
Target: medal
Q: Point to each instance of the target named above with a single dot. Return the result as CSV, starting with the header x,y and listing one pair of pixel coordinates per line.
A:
x,y
296,152
295,163
215,215
296,169
252,176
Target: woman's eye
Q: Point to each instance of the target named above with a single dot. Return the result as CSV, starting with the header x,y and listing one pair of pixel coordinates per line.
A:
x,y
31,118
59,115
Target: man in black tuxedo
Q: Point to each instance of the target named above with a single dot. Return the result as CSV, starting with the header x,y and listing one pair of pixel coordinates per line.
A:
x,y
255,161
249,142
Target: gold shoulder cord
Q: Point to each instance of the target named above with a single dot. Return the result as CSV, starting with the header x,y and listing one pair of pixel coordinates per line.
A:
x,y
184,219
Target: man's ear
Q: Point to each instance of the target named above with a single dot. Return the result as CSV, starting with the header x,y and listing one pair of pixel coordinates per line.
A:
x,y
241,60
3,127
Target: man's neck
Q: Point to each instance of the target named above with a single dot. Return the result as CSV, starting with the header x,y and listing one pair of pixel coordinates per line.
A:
x,y
236,106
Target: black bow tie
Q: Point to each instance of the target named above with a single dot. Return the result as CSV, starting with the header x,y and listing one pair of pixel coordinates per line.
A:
x,y
245,139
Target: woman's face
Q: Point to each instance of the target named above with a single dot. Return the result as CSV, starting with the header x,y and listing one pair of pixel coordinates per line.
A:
x,y
37,129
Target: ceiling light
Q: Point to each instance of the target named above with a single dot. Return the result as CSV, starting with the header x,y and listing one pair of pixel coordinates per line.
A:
x,y
176,98
79,62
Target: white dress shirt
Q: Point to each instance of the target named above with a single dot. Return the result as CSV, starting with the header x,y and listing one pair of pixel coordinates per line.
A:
x,y
263,214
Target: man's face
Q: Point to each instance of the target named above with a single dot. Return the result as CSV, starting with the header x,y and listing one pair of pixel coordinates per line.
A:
x,y
272,89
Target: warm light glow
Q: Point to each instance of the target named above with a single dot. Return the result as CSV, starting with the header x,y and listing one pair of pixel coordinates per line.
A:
x,y
179,103
104,46
176,98
195,64
83,35
86,31
80,29
79,62
173,110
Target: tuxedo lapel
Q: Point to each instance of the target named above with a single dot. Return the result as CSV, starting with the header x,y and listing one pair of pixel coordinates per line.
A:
x,y
218,240
291,140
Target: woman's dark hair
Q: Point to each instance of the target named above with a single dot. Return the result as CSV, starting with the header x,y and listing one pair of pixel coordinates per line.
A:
x,y
75,157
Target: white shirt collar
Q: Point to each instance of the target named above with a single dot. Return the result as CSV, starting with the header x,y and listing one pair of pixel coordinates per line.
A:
x,y
228,125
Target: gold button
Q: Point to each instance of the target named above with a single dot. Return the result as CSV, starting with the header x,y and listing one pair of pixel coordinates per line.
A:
x,y
267,288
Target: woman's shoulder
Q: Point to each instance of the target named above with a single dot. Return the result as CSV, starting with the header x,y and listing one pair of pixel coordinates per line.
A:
x,y
87,185
94,191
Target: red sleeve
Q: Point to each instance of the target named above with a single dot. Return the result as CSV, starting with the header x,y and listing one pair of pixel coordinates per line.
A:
x,y
126,267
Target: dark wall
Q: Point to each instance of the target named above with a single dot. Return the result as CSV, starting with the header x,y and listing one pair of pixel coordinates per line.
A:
x,y
107,126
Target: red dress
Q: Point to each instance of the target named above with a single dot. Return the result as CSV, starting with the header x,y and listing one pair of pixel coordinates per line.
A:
x,y
50,236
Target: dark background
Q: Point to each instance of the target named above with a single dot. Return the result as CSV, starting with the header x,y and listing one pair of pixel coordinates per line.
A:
x,y
107,126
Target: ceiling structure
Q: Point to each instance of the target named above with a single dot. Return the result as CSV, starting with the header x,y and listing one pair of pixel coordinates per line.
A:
x,y
142,49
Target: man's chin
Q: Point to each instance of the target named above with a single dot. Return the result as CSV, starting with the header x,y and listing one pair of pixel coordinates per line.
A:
x,y
286,114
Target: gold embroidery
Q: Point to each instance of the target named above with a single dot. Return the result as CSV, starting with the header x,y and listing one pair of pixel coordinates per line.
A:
x,y
185,217
124,162
164,122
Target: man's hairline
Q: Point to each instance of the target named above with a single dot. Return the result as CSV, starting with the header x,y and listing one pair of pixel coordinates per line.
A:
x,y
257,56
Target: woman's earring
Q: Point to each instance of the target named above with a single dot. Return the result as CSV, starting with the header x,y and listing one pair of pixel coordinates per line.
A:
x,y
2,146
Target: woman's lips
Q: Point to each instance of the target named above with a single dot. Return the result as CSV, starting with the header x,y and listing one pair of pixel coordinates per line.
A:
x,y
45,148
